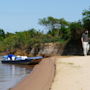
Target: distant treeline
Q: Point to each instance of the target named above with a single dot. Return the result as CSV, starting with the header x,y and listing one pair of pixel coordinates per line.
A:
x,y
57,30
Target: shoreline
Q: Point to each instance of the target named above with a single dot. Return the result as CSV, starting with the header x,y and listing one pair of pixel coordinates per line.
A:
x,y
40,78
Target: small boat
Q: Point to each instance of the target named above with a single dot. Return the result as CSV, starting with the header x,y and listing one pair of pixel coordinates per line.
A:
x,y
26,61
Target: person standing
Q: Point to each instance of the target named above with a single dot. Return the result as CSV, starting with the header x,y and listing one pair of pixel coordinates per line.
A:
x,y
85,42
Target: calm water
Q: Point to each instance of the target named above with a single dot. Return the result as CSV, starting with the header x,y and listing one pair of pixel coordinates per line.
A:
x,y
11,74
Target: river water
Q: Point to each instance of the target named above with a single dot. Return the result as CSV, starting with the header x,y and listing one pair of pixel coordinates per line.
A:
x,y
11,74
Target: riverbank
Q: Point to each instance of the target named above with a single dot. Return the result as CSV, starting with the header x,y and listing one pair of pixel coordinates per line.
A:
x,y
58,73
72,73
40,78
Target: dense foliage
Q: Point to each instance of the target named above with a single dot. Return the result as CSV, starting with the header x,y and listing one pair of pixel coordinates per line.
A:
x,y
56,30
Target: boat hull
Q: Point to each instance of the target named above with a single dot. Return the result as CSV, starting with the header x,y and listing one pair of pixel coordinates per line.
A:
x,y
26,62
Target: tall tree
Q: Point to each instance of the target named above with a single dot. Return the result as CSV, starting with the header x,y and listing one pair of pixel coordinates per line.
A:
x,y
86,19
76,30
55,27
2,34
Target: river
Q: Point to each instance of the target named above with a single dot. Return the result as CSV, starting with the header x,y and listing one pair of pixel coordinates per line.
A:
x,y
12,74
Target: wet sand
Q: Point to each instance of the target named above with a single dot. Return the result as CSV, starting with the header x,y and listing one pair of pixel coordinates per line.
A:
x,y
72,73
40,78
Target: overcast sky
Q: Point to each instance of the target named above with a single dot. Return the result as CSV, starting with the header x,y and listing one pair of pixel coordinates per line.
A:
x,y
19,15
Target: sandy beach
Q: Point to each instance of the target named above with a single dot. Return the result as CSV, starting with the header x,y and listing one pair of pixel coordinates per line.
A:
x,y
58,73
72,73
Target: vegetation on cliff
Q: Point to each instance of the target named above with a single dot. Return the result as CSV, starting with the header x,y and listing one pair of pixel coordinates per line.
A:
x,y
56,30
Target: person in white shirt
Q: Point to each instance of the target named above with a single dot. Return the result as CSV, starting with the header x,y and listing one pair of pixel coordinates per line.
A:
x,y
85,42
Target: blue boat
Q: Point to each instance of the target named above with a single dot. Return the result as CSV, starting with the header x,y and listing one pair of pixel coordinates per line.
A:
x,y
19,60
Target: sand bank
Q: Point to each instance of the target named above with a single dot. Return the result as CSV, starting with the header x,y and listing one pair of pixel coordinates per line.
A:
x,y
72,73
40,78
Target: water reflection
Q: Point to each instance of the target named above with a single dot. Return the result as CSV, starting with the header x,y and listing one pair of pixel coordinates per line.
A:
x,y
11,74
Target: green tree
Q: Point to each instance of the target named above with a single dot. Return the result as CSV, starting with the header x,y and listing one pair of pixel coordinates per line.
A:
x,y
76,30
86,19
8,34
56,27
2,34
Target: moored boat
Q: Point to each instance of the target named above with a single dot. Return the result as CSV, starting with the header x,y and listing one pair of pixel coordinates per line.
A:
x,y
27,60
